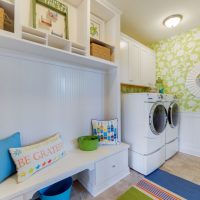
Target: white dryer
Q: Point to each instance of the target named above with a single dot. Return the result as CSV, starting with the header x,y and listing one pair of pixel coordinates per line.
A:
x,y
172,128
144,119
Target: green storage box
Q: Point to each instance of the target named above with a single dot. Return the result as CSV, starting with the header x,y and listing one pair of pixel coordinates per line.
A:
x,y
88,143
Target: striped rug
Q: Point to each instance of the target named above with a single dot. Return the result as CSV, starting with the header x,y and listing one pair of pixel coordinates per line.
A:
x,y
161,185
147,190
155,191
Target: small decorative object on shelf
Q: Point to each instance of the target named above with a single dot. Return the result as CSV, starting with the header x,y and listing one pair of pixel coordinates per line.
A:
x,y
46,21
52,14
101,49
57,34
96,27
159,85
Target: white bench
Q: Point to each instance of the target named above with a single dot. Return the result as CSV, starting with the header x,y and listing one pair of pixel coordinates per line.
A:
x,y
92,165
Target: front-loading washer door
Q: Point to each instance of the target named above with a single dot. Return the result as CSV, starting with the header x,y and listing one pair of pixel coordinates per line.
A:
x,y
173,115
158,118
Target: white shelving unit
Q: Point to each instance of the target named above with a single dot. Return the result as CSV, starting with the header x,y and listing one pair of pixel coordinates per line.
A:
x,y
79,15
34,35
76,51
25,48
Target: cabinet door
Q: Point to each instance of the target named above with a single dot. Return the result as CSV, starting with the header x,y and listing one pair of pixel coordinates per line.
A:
x,y
148,65
124,60
134,64
111,167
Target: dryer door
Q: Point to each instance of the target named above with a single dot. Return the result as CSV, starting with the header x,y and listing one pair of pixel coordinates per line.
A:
x,y
158,118
173,115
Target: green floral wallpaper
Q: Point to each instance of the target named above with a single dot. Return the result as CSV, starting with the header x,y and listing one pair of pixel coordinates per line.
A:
x,y
176,57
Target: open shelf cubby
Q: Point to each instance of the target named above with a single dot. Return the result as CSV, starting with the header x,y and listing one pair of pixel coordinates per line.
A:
x,y
104,19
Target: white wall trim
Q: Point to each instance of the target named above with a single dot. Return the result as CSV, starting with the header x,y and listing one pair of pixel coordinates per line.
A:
x,y
38,59
190,150
191,114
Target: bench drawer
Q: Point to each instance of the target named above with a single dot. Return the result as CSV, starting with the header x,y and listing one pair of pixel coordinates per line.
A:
x,y
111,166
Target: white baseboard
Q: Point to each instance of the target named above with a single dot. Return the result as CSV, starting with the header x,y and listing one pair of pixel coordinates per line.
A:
x,y
190,151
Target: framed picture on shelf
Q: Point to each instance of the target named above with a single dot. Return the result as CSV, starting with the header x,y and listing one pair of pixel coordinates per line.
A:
x,y
97,27
51,17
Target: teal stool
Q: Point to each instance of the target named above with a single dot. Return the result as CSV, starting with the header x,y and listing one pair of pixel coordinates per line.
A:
x,y
57,191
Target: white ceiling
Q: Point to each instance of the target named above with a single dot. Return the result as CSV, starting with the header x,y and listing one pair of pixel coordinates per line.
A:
x,y
142,19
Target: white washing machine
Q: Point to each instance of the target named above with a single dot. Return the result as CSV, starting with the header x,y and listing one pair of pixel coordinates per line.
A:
x,y
144,119
172,128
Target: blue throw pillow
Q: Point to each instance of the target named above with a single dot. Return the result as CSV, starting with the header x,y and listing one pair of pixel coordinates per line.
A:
x,y
7,165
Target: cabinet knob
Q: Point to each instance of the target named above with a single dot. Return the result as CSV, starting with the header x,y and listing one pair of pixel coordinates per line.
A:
x,y
113,166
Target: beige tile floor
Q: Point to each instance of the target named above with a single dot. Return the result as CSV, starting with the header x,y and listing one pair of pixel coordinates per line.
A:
x,y
182,165
185,166
79,193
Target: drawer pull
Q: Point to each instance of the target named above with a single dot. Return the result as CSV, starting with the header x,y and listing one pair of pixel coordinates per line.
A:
x,y
113,166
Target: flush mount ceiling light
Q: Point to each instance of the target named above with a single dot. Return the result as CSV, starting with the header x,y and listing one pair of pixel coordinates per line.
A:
x,y
172,21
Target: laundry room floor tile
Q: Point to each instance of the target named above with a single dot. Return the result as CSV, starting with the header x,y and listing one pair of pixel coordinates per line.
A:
x,y
184,166
79,193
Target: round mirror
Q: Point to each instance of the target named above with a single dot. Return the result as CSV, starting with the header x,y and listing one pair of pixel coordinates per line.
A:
x,y
198,80
193,81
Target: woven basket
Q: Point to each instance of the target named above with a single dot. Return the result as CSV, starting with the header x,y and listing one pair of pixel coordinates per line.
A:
x,y
8,23
100,51
1,18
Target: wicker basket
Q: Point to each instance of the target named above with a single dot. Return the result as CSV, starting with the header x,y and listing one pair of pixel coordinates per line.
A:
x,y
8,23
100,51
1,18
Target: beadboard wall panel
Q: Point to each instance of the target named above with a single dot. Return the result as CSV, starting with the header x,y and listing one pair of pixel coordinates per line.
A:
x,y
189,133
39,99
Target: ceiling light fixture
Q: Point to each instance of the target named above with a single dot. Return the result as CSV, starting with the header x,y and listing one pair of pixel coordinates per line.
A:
x,y
172,21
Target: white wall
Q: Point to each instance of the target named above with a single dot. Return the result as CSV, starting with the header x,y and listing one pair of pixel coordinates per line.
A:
x,y
190,133
39,99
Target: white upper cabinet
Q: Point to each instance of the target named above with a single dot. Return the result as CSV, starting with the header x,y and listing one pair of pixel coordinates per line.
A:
x,y
148,67
124,60
134,64
137,63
